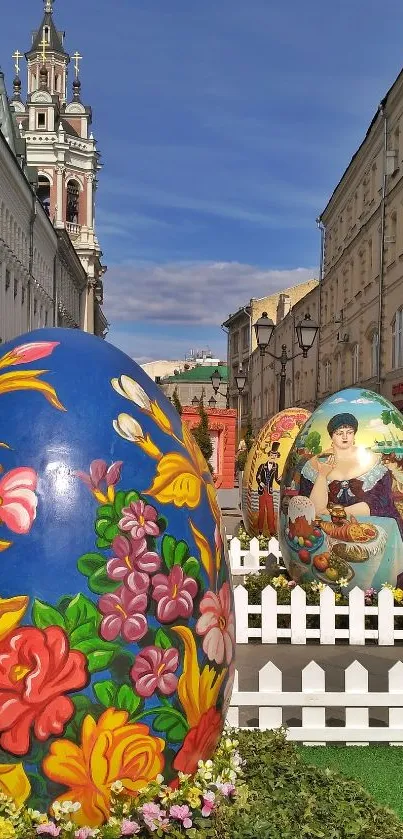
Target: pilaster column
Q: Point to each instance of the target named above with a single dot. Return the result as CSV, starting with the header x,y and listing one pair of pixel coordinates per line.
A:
x,y
59,194
90,214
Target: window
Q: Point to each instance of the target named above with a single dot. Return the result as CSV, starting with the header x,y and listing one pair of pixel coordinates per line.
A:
x,y
41,120
8,279
235,343
266,403
15,287
373,181
43,193
35,305
22,295
46,318
370,259
245,337
72,208
297,387
338,372
392,238
328,375
397,340
355,363
374,354
259,406
46,33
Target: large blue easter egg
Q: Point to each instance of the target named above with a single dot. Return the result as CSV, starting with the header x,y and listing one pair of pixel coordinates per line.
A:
x,y
341,501
116,612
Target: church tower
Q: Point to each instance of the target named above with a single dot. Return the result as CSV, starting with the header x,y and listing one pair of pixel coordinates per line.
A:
x,y
59,144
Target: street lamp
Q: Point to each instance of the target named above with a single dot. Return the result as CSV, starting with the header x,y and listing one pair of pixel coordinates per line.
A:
x,y
215,379
212,402
306,331
195,401
240,381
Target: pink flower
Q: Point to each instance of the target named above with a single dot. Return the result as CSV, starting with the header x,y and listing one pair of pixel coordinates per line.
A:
x,y
124,614
132,562
153,816
28,352
182,813
48,829
227,789
174,595
155,668
140,519
18,500
99,472
129,828
84,833
208,804
217,624
291,584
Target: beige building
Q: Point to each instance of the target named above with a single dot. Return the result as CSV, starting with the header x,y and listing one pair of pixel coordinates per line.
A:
x,y
242,340
302,373
158,370
361,301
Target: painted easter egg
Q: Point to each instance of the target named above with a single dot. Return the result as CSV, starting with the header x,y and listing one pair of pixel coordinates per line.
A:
x,y
341,502
263,470
116,612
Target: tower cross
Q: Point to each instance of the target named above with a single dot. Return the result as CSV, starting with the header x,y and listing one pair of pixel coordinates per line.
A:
x,y
49,6
43,44
77,58
17,55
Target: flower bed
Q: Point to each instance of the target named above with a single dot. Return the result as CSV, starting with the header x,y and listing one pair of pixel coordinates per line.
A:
x,y
268,793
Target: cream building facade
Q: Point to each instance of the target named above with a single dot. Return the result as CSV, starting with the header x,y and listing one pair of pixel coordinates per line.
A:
x,y
241,343
42,281
361,293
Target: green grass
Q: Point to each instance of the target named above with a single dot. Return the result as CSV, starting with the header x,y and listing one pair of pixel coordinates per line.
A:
x,y
379,769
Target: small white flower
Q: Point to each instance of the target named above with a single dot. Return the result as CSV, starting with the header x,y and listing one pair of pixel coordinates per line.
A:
x,y
117,787
342,582
127,387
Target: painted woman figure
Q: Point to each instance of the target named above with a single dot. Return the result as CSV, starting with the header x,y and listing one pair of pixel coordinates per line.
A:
x,y
349,475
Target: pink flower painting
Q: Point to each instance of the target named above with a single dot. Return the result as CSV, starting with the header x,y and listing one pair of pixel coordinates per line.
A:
x,y
132,562
154,669
174,595
26,353
18,500
217,625
139,519
123,615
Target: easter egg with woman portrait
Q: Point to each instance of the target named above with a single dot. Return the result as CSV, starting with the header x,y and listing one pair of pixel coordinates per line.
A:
x,y
117,631
263,470
341,499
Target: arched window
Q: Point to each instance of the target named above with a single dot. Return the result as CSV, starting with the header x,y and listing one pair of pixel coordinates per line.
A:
x,y
397,339
374,354
43,193
73,202
355,356
327,368
338,371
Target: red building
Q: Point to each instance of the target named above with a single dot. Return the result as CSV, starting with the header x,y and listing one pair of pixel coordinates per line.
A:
x,y
222,426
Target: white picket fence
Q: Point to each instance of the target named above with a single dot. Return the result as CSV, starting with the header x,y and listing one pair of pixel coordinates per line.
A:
x,y
314,699
249,560
327,611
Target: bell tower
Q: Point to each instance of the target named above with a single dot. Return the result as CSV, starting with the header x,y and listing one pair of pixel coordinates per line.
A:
x,y
56,127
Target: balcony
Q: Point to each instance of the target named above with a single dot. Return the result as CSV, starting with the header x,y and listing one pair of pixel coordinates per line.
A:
x,y
73,230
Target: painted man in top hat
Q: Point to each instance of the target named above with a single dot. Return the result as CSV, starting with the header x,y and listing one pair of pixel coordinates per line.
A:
x,y
265,477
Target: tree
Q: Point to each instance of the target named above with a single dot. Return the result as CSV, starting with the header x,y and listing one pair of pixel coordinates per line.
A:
x,y
176,402
202,435
249,438
312,442
242,455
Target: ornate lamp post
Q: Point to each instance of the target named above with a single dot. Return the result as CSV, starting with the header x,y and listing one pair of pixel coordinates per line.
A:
x,y
306,331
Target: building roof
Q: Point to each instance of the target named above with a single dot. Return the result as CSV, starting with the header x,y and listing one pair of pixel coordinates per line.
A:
x,y
201,373
55,43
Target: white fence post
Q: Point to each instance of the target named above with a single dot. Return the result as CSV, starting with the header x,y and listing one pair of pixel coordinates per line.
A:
x,y
270,680
254,548
313,681
356,681
235,552
395,685
232,717
241,612
298,616
327,616
269,615
386,618
356,604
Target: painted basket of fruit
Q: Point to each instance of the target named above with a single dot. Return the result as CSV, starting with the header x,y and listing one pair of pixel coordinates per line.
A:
x,y
331,566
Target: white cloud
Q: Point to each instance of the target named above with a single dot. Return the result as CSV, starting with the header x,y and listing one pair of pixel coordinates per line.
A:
x,y
190,293
338,400
362,401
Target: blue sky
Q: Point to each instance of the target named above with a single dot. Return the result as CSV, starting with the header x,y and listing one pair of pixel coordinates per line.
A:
x,y
224,126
